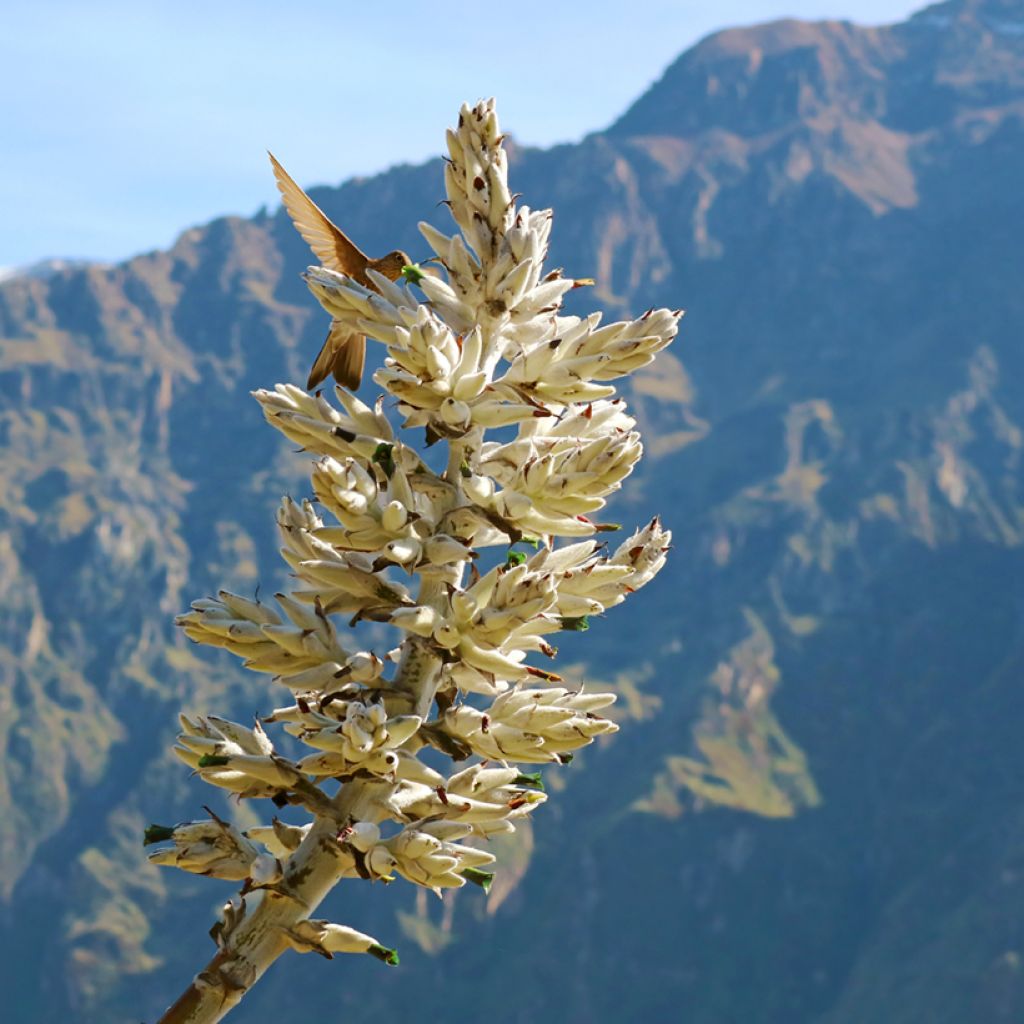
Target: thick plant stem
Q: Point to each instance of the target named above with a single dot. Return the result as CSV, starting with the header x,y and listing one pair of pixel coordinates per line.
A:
x,y
312,871
309,875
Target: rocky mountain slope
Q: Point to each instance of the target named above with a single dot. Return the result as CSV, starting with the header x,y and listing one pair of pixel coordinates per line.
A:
x,y
818,785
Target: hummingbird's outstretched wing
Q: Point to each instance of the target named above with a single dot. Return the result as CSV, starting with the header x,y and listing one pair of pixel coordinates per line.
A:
x,y
343,355
329,243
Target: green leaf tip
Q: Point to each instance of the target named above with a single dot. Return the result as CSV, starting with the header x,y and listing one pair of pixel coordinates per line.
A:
x,y
534,780
385,955
384,457
515,558
580,625
213,761
478,877
157,834
411,272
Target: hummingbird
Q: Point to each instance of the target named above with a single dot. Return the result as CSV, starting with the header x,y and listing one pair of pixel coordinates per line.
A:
x,y
344,351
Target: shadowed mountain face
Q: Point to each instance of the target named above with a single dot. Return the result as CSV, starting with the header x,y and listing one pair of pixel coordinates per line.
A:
x,y
813,811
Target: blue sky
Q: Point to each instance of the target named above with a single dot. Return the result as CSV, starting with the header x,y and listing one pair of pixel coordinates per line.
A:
x,y
124,123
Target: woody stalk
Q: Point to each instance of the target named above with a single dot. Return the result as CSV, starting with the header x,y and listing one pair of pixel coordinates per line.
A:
x,y
473,567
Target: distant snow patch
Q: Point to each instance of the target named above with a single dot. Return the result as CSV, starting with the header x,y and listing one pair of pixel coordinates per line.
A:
x,y
45,269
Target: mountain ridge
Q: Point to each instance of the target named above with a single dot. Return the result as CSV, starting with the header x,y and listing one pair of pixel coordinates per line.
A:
x,y
829,667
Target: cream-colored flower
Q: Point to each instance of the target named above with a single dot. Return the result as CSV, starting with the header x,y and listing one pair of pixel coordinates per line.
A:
x,y
326,938
532,726
212,847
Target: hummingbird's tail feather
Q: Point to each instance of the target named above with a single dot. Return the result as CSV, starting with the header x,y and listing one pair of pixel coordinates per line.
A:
x,y
349,361
343,355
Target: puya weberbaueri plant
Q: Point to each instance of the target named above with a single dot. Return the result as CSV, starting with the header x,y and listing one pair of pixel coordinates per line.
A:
x,y
473,568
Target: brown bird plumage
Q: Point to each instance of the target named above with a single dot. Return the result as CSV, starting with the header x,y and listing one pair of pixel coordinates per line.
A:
x,y
344,351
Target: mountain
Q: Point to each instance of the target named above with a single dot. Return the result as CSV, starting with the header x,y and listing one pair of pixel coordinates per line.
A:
x,y
818,782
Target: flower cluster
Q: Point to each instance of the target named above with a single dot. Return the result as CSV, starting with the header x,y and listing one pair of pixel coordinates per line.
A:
x,y
394,537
